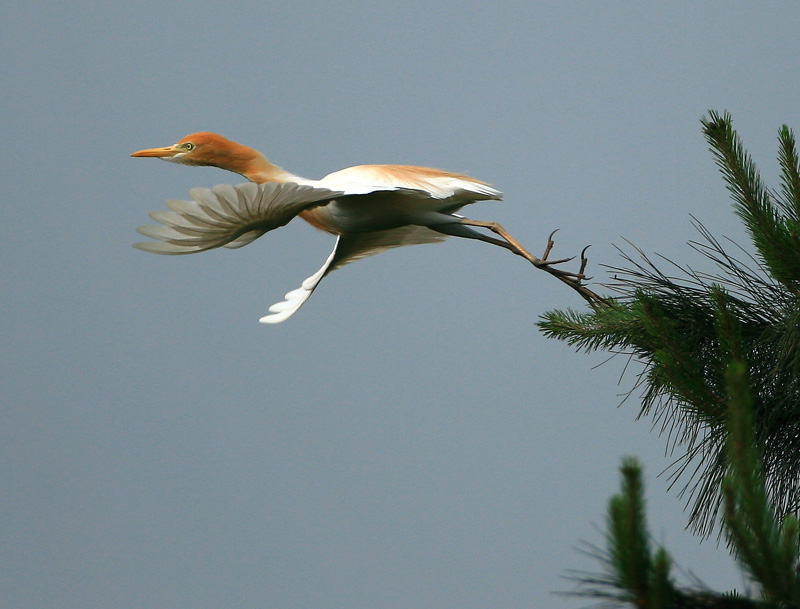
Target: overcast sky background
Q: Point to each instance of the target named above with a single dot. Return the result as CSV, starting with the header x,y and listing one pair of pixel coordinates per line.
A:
x,y
408,439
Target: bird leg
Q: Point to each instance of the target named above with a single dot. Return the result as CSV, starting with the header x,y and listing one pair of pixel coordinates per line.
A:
x,y
574,280
512,244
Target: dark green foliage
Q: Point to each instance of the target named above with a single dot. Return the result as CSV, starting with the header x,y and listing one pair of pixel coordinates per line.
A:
x,y
645,576
685,326
634,573
766,548
772,223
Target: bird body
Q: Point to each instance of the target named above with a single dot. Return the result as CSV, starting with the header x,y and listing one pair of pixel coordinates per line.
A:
x,y
369,208
381,197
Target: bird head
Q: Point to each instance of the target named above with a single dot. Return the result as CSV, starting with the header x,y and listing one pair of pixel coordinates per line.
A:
x,y
200,148
210,149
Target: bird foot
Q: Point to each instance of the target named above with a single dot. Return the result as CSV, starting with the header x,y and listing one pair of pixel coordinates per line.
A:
x,y
546,264
573,280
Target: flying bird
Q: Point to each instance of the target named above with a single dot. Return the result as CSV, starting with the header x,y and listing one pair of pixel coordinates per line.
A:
x,y
369,208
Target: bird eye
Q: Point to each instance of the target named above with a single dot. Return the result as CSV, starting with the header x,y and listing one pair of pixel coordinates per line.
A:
x,y
188,146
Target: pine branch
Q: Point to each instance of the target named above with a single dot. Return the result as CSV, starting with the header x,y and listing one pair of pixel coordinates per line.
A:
x,y
766,548
676,323
776,243
634,575
790,180
628,538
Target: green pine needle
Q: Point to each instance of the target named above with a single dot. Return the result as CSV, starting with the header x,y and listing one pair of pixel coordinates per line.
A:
x,y
685,325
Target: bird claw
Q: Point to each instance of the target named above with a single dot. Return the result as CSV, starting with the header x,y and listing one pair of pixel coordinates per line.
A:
x,y
573,280
569,276
550,244
584,261
545,261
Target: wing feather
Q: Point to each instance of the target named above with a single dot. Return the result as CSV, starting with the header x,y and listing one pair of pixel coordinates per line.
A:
x,y
234,216
363,245
349,248
281,311
226,215
435,183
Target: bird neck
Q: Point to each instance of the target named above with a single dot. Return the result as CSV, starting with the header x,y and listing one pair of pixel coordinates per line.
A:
x,y
243,160
255,167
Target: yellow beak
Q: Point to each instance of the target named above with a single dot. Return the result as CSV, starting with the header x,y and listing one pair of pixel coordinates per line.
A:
x,y
165,152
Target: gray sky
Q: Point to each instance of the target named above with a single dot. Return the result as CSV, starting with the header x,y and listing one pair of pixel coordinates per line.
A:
x,y
408,439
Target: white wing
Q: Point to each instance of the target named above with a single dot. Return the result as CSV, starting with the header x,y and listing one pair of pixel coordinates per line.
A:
x,y
230,216
437,184
350,248
281,311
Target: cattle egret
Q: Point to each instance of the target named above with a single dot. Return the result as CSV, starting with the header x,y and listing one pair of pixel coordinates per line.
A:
x,y
369,208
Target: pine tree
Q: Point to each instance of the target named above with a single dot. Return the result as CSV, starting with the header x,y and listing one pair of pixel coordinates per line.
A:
x,y
721,357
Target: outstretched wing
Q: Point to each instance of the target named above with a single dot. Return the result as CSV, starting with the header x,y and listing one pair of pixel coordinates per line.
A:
x,y
230,216
349,248
281,311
